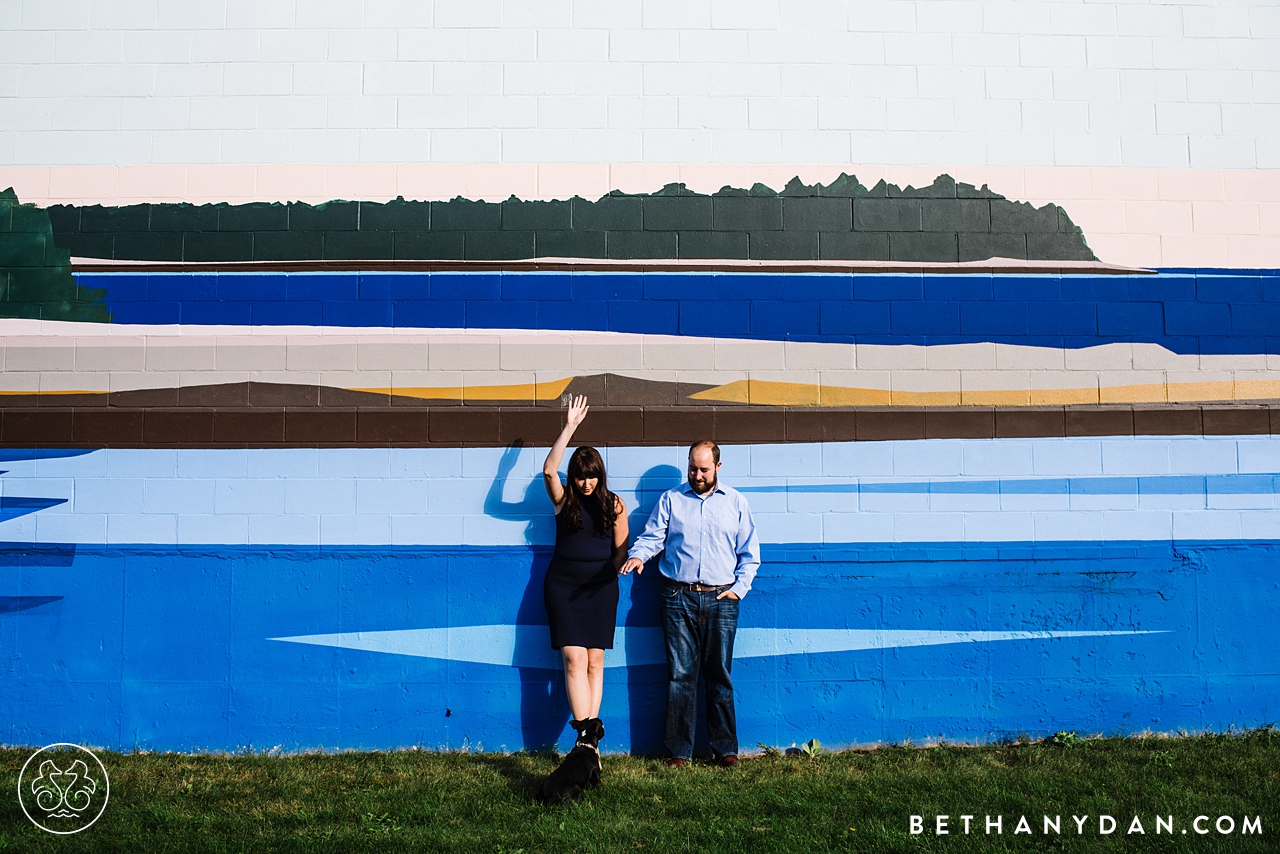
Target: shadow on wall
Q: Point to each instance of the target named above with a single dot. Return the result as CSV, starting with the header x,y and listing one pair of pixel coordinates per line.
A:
x,y
544,709
646,684
32,554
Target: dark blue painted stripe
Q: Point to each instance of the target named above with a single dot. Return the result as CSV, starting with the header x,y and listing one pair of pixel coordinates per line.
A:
x,y
1196,311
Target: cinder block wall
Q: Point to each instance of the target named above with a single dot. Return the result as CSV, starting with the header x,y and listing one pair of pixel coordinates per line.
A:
x,y
303,508
784,82
1141,116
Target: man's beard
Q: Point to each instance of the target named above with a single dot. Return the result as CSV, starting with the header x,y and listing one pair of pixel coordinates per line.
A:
x,y
704,488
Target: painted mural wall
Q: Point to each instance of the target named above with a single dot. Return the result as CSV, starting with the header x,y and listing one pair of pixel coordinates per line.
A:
x,y
981,300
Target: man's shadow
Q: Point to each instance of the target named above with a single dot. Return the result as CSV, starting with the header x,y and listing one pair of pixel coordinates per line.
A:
x,y
646,684
544,709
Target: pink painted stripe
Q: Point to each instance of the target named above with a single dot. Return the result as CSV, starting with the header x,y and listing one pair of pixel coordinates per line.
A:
x,y
1130,217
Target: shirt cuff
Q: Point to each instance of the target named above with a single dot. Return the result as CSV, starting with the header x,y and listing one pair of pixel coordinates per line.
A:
x,y
740,589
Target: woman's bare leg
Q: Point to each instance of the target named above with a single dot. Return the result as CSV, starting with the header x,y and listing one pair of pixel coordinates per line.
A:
x,y
595,678
577,683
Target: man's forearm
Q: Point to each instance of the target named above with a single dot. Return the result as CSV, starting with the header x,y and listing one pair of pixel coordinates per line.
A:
x,y
643,550
743,577
654,537
748,554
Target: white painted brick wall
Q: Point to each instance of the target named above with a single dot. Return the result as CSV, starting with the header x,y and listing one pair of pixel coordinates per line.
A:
x,y
1025,83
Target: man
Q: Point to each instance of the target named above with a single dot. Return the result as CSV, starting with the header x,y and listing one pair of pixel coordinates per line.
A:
x,y
710,556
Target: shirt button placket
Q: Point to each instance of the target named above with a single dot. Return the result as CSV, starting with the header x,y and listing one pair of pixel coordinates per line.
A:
x,y
702,533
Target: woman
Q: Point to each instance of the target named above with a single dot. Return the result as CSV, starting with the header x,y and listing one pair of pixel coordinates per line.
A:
x,y
581,588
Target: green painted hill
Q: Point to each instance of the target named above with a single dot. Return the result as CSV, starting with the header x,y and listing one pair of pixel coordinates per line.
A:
x,y
35,275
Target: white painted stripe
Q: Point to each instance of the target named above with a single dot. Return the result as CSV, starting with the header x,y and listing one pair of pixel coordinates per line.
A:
x,y
530,646
60,356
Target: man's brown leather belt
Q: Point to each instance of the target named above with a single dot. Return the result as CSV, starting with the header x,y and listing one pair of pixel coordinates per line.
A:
x,y
698,587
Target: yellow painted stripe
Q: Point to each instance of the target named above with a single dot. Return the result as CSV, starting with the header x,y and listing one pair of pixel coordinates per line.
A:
x,y
522,391
770,393
41,393
443,393
737,391
542,391
1256,389
837,396
1063,396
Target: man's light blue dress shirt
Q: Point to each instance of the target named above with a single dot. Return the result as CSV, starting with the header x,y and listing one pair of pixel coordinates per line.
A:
x,y
710,540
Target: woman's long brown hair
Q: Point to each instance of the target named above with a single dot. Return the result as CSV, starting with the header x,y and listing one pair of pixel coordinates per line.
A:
x,y
586,463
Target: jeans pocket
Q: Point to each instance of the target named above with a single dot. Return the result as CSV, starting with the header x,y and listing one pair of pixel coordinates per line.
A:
x,y
669,591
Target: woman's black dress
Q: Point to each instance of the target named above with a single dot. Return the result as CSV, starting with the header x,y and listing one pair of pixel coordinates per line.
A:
x,y
581,588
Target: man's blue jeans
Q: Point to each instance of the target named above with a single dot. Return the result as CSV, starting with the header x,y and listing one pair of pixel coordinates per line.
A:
x,y
699,631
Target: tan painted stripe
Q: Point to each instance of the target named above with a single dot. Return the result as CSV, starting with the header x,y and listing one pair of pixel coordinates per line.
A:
x,y
89,350
59,358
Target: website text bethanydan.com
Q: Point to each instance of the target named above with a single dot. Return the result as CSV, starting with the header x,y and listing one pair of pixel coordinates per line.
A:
x,y
1103,825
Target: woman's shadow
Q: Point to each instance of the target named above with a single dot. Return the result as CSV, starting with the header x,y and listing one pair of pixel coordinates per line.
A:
x,y
544,709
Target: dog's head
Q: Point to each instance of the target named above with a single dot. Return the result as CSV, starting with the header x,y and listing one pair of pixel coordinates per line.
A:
x,y
590,731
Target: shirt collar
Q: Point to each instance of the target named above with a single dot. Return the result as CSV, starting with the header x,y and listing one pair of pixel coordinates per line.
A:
x,y
687,489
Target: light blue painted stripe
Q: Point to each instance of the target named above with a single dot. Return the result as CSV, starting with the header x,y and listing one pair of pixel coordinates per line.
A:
x,y
530,646
1256,484
1002,490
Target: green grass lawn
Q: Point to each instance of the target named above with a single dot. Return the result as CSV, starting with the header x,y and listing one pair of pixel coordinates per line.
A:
x,y
849,801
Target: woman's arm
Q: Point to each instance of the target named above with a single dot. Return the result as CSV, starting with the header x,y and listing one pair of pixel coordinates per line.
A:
x,y
551,468
621,532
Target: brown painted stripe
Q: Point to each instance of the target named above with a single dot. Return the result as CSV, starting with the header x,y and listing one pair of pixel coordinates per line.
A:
x,y
496,426
569,265
613,390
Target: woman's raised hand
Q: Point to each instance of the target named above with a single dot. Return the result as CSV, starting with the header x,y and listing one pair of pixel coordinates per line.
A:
x,y
551,467
577,410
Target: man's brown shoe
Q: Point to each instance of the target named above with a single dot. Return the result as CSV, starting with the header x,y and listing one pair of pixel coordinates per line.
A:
x,y
729,760
675,762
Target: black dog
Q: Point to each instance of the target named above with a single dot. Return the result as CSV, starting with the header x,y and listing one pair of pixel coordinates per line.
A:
x,y
580,769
